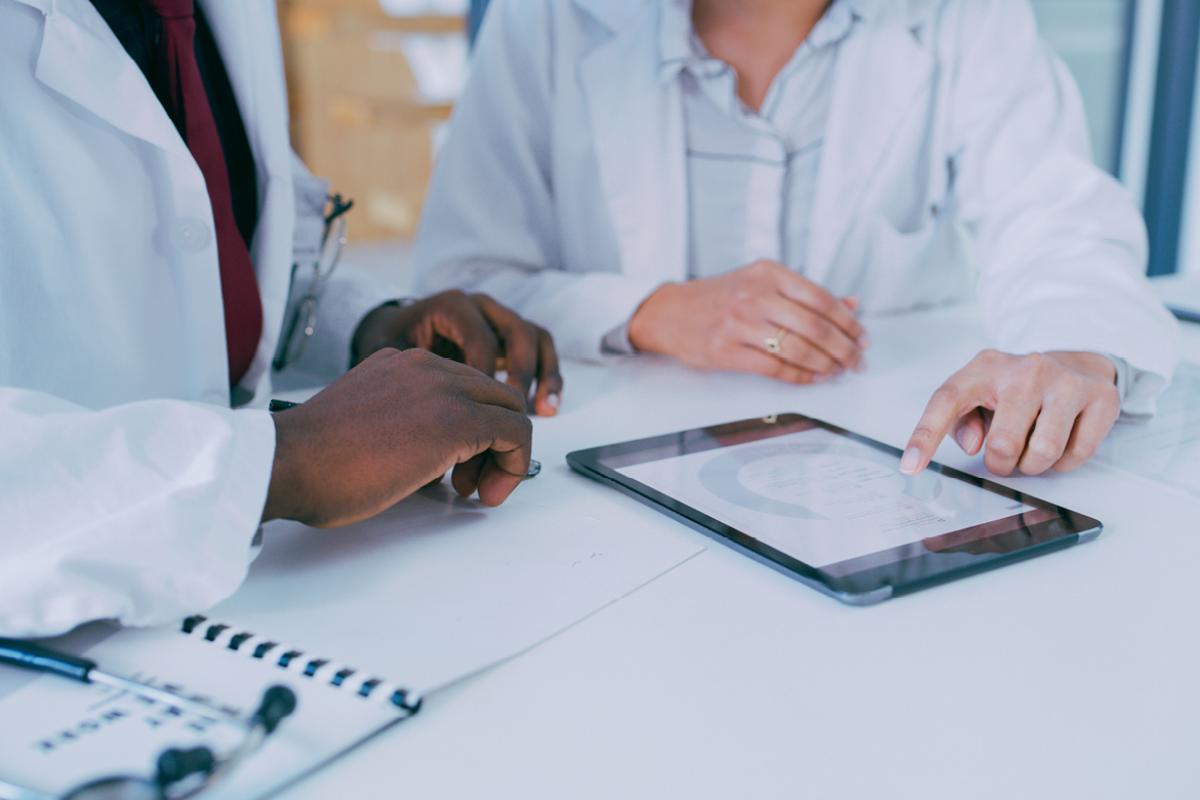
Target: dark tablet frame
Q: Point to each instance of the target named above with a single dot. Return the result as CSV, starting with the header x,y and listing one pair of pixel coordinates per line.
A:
x,y
865,579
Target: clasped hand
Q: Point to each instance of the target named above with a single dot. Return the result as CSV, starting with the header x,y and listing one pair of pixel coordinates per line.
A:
x,y
722,323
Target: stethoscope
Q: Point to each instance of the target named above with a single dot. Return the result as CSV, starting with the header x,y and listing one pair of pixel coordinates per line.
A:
x,y
179,773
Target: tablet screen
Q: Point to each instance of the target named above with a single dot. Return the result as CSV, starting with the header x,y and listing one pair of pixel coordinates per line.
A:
x,y
831,508
819,497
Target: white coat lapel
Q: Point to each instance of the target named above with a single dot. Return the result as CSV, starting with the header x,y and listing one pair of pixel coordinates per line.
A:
x,y
638,127
247,36
248,40
82,60
881,71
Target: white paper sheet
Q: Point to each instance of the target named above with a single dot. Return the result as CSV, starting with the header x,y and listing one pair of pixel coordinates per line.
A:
x,y
1165,449
440,587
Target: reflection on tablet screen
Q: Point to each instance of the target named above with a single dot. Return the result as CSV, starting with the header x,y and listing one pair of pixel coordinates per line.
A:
x,y
819,497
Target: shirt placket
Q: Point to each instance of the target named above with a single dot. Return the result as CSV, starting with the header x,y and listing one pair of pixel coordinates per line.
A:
x,y
768,178
764,201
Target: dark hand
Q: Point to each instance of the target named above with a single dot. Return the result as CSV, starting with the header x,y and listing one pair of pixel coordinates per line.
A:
x,y
1034,412
475,330
389,426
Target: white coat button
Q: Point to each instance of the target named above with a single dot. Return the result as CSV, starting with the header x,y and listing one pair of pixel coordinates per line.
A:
x,y
191,235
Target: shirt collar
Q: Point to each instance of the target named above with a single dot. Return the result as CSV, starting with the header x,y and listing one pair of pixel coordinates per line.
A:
x,y
680,49
676,39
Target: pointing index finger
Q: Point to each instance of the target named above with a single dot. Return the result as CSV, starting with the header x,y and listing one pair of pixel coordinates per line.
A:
x,y
949,402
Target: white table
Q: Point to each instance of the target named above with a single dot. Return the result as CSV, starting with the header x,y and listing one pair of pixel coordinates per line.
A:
x,y
1076,675
1182,290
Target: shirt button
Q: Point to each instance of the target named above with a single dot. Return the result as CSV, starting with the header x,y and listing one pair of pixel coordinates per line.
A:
x,y
191,235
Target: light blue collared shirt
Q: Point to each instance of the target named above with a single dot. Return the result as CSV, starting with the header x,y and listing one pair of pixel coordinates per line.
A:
x,y
751,175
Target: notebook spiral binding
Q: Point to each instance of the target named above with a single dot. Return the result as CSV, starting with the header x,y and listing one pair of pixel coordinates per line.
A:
x,y
297,663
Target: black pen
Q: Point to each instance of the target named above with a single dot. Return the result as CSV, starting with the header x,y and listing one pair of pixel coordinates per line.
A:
x,y
535,466
27,655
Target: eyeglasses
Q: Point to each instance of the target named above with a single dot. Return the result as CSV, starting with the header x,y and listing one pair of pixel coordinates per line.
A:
x,y
179,773
303,322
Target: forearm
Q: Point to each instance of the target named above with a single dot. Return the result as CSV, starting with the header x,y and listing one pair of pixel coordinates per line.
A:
x,y
1061,245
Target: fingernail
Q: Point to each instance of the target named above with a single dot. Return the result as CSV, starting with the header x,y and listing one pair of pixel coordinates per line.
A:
x,y
910,461
553,401
864,341
861,366
967,439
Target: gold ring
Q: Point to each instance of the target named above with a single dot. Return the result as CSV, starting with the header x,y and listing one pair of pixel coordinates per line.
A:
x,y
774,344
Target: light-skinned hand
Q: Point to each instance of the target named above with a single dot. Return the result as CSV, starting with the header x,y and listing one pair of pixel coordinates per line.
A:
x,y
1032,412
723,322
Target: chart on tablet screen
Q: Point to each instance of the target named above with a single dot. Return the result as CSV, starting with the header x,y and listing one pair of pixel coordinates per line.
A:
x,y
820,497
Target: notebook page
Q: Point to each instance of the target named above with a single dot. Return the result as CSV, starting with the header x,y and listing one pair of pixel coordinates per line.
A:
x,y
440,587
56,734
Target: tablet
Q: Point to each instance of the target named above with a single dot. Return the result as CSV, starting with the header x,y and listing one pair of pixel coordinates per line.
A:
x,y
831,508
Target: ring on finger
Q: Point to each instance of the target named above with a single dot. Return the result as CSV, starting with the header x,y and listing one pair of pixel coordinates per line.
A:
x,y
774,344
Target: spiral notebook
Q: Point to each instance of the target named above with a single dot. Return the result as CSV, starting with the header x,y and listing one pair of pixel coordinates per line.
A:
x,y
71,733
361,624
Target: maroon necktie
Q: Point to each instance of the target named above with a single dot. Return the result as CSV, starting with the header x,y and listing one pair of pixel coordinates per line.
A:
x,y
190,109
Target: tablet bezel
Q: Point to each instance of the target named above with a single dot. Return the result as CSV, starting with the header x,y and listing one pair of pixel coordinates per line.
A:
x,y
864,579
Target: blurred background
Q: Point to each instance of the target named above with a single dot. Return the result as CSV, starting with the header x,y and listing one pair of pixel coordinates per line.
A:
x,y
373,84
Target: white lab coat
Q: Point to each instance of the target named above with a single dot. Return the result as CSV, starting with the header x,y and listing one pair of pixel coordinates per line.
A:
x,y
561,189
128,487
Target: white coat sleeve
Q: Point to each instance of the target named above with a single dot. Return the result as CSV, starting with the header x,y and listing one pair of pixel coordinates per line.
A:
x,y
1062,247
141,513
489,223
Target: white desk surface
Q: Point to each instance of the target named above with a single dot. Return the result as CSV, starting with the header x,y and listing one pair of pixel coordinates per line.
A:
x,y
1070,676
1183,290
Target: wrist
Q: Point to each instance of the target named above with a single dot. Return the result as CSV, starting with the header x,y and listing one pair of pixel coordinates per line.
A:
x,y
643,327
374,330
284,487
1096,365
